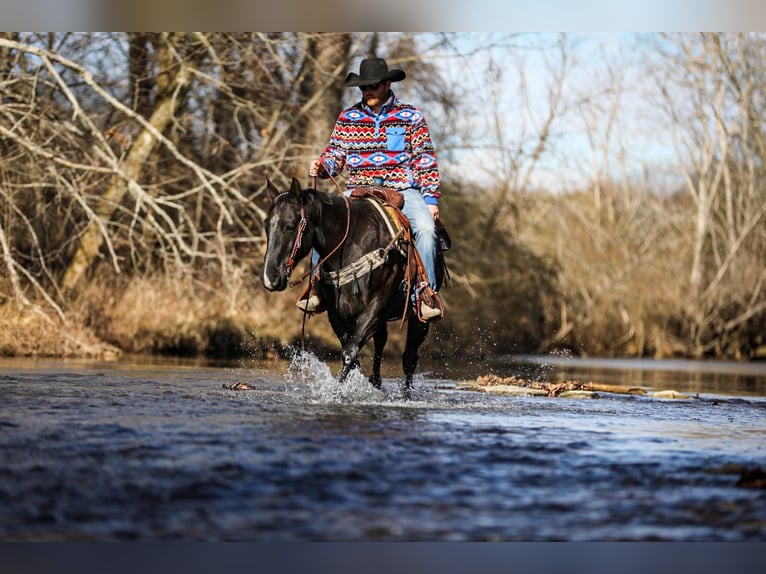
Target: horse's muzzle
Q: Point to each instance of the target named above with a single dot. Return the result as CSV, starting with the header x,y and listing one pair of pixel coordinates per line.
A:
x,y
273,280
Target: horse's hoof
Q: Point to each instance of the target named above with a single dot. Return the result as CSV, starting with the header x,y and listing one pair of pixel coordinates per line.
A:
x,y
376,381
407,391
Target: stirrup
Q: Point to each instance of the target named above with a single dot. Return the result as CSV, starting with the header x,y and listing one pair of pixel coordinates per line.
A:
x,y
428,313
312,304
429,306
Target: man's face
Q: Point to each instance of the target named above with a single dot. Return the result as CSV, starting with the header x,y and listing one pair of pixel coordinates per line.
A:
x,y
375,94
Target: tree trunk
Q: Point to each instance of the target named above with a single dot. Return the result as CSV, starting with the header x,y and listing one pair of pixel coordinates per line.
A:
x,y
328,52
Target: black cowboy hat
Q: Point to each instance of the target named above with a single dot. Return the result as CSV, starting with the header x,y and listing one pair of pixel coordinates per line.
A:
x,y
372,71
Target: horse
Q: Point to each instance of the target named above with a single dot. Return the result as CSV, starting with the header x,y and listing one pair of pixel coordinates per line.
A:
x,y
344,233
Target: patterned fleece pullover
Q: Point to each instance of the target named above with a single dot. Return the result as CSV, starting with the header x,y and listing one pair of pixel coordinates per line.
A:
x,y
391,149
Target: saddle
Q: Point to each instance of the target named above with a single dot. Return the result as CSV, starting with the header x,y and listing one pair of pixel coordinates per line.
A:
x,y
389,196
392,201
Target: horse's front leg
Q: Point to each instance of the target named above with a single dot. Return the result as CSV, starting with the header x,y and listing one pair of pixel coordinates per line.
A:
x,y
350,356
380,338
367,324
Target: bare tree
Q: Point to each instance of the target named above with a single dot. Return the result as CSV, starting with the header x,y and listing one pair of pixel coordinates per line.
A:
x,y
120,161
710,85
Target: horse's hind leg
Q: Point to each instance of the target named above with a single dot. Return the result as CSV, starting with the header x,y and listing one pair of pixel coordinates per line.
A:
x,y
379,339
416,334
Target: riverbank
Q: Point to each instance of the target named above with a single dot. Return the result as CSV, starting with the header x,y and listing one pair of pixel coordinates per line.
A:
x,y
267,332
185,317
160,317
31,332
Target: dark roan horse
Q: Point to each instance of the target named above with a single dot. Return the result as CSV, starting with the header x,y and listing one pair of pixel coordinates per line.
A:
x,y
346,231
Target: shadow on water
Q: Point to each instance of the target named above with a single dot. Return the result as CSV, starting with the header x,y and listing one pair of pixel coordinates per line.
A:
x,y
140,450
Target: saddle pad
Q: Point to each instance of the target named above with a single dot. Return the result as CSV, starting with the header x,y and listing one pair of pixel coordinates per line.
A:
x,y
390,215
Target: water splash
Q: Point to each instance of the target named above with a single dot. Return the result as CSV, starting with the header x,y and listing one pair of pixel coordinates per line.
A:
x,y
307,373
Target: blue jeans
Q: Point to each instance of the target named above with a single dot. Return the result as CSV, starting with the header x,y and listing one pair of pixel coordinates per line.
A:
x,y
423,228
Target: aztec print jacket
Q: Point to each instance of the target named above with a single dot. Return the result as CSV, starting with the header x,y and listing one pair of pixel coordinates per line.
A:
x,y
392,149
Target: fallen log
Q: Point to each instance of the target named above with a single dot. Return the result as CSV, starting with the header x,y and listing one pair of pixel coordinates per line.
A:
x,y
513,385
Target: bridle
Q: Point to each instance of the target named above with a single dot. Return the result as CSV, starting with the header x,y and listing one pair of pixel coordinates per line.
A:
x,y
298,239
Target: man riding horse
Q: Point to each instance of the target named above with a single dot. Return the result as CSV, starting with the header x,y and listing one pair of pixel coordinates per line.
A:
x,y
385,142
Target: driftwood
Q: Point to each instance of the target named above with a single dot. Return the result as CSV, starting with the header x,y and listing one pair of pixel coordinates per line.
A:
x,y
515,386
495,384
238,386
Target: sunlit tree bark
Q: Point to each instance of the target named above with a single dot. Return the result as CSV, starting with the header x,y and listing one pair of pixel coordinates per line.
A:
x,y
327,54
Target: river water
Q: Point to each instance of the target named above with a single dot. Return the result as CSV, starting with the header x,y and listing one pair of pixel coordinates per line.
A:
x,y
141,450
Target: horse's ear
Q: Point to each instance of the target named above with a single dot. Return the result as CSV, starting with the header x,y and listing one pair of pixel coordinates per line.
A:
x,y
271,191
295,188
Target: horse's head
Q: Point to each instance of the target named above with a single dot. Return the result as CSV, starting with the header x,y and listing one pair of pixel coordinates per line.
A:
x,y
288,235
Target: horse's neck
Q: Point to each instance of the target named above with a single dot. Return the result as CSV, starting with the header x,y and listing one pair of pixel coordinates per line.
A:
x,y
332,221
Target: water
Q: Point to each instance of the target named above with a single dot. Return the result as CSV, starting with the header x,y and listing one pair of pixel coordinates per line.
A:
x,y
158,451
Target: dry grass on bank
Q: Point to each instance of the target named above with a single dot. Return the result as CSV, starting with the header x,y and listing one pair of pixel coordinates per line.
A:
x,y
164,315
161,315
31,332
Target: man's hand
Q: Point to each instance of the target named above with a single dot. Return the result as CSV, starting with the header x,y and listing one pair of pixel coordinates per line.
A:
x,y
316,168
434,209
